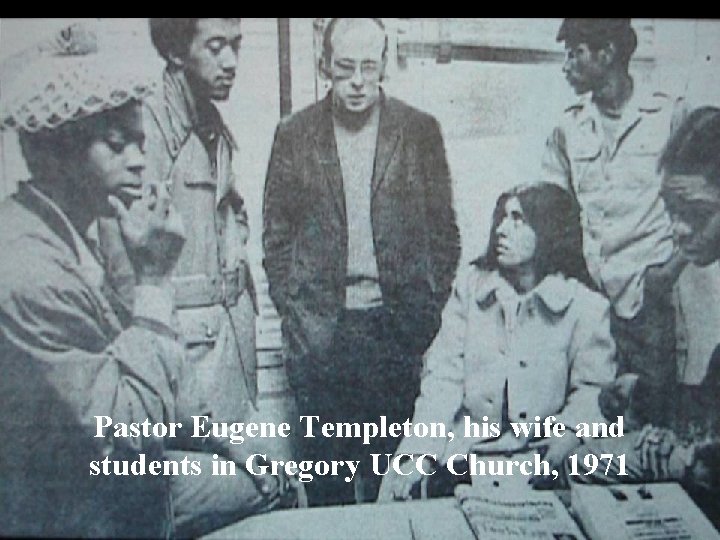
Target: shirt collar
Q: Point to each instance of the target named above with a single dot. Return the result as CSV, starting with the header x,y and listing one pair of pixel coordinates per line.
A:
x,y
644,100
554,291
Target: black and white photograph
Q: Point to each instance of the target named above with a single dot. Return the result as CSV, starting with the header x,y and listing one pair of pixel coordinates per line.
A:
x,y
360,278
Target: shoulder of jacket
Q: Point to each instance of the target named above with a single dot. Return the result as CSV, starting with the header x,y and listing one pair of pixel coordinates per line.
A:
x,y
472,276
657,101
574,114
407,113
590,300
304,119
577,107
174,138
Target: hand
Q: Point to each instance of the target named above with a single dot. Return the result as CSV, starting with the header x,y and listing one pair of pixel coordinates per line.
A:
x,y
557,449
152,231
276,490
662,277
397,487
699,469
654,445
288,489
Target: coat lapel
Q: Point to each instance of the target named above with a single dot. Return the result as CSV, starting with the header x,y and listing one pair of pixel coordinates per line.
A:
x,y
388,136
328,159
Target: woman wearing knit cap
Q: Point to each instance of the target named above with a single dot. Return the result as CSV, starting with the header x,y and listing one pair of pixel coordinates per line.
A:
x,y
69,351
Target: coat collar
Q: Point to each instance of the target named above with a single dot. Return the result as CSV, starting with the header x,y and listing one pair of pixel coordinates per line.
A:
x,y
555,291
389,133
642,103
180,117
37,202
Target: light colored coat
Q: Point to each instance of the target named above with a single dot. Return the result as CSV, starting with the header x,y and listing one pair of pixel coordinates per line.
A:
x,y
220,338
626,228
552,346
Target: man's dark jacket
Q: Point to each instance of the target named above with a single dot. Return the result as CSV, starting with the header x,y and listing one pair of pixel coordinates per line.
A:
x,y
305,228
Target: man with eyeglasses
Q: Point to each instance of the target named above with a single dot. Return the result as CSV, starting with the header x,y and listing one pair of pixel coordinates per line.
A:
x,y
361,247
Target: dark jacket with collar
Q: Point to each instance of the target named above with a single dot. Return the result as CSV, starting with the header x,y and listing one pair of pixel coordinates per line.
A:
x,y
305,228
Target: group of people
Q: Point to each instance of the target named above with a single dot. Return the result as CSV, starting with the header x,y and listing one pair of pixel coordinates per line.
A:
x,y
126,291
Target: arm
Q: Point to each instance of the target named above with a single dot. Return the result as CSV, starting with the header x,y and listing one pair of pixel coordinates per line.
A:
x,y
55,330
592,364
592,360
555,166
279,215
442,385
441,393
662,277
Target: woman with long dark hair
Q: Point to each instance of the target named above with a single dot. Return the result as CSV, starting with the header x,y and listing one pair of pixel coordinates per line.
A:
x,y
523,336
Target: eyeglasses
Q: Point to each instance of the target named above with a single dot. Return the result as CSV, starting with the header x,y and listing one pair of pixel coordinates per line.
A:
x,y
346,69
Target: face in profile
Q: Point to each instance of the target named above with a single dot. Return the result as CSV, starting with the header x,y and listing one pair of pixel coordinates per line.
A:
x,y
582,68
516,240
113,161
211,61
357,64
696,224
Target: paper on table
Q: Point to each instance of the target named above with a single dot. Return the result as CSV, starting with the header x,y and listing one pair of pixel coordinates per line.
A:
x,y
497,514
660,511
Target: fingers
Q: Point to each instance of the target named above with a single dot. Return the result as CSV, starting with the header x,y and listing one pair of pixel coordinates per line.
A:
x,y
402,489
396,488
152,230
655,446
268,486
388,488
174,223
118,207
162,199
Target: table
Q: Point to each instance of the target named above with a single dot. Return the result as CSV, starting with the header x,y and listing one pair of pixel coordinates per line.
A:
x,y
432,519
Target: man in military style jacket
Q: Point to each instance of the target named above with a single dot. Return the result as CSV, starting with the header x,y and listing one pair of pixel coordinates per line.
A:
x,y
189,148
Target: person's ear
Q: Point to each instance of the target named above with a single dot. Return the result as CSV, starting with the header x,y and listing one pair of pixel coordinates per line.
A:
x,y
607,53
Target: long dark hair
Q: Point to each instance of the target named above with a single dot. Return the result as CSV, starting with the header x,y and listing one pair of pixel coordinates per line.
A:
x,y
554,216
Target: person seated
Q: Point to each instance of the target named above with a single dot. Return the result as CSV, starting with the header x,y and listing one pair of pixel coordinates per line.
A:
x,y
69,350
688,449
522,336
